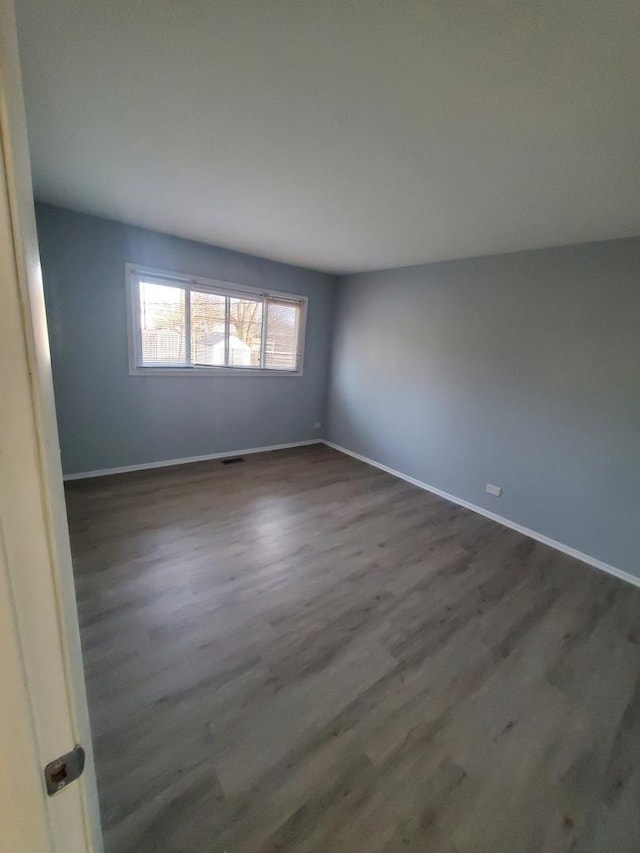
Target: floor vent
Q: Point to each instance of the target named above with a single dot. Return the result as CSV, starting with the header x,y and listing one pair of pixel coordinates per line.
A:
x,y
233,460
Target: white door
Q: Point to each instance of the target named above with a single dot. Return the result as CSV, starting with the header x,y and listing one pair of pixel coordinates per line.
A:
x,y
43,710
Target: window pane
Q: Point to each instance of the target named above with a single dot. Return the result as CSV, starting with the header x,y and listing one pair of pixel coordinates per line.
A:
x,y
245,332
283,320
207,328
162,323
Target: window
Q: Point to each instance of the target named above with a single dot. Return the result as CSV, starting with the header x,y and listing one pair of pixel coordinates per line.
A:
x,y
181,325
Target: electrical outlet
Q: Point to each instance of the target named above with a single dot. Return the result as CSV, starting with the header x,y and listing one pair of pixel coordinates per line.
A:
x,y
493,490
317,425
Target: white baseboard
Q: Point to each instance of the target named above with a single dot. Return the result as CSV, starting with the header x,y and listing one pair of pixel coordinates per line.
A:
x,y
165,463
540,537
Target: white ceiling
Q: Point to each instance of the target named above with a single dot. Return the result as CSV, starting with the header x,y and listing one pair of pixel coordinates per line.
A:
x,y
341,135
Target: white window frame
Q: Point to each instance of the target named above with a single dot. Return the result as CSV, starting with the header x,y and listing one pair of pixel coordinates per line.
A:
x,y
133,273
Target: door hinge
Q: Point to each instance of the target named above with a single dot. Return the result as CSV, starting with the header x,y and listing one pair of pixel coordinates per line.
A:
x,y
60,772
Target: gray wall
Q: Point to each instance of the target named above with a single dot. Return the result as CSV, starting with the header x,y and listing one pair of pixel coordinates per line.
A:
x,y
521,370
108,418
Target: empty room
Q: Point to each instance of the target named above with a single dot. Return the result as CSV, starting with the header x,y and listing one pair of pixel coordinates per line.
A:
x,y
320,487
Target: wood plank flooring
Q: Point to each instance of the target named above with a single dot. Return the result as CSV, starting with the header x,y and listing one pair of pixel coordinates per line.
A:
x,y
302,653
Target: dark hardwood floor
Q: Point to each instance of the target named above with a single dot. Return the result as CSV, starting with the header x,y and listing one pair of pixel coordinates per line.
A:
x,y
302,653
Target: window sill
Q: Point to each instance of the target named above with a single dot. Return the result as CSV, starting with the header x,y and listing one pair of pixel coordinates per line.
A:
x,y
210,371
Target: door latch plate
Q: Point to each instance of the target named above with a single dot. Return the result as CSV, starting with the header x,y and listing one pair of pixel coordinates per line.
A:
x,y
63,770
